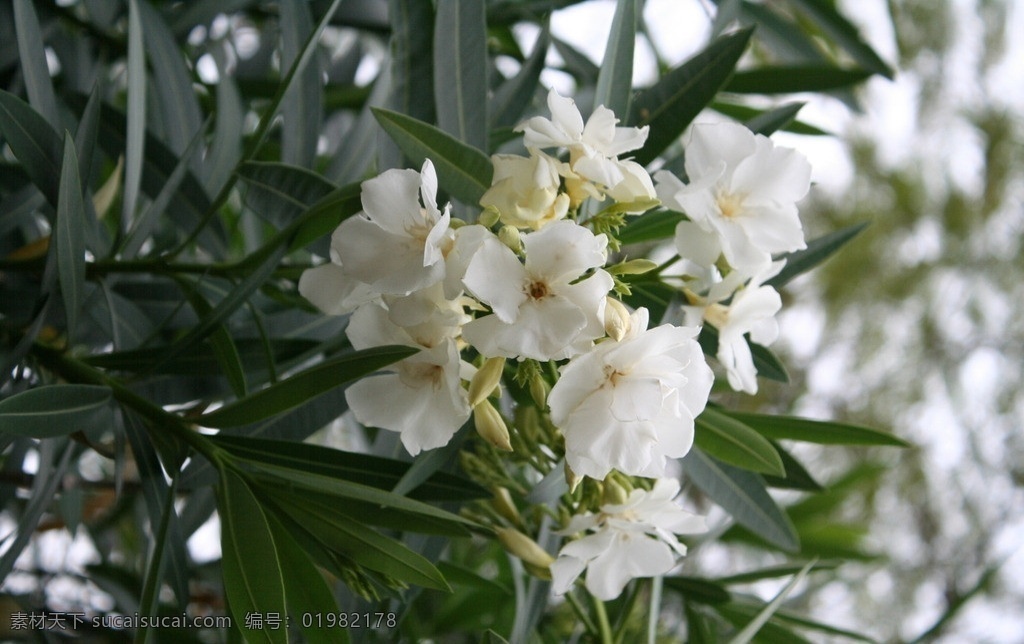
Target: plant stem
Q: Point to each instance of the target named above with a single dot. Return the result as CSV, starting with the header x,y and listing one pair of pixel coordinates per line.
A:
x,y
582,614
602,621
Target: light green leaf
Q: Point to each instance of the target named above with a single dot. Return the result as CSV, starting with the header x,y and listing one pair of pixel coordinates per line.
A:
x,y
797,78
513,96
70,236
733,442
766,613
34,143
136,113
816,431
34,68
279,192
615,80
743,495
460,71
817,251
671,104
302,107
651,226
577,63
840,29
463,170
54,410
293,391
253,579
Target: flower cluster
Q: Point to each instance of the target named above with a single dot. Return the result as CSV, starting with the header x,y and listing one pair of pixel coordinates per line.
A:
x,y
533,286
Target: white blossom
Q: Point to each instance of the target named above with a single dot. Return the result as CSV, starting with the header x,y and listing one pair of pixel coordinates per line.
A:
x,y
630,404
525,190
539,309
741,198
625,541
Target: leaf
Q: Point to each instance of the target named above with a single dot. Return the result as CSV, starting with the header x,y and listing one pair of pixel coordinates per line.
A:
x,y
460,72
654,296
817,431
577,63
615,80
797,477
742,494
772,120
795,78
733,442
85,140
226,149
357,148
70,232
253,579
651,226
136,114
34,68
412,68
671,104
302,107
428,465
817,251
221,341
748,114
54,410
366,469
766,363
34,143
774,572
293,391
844,33
463,170
512,97
695,589
279,192
198,359
326,214
765,614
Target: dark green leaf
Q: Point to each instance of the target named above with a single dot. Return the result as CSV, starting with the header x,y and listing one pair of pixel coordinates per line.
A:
x,y
383,473
34,143
198,359
463,170
253,579
226,149
774,572
279,192
766,363
654,296
33,62
734,443
786,80
460,73
428,465
221,341
696,589
326,214
134,153
770,121
615,80
831,22
766,612
302,107
88,131
513,96
651,226
54,410
671,104
755,118
577,63
817,431
70,236
797,477
412,69
743,495
817,251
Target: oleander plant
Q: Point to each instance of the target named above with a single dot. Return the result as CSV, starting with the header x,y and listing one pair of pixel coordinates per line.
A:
x,y
342,321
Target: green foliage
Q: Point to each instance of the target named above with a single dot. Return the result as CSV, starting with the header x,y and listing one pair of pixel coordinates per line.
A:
x,y
149,268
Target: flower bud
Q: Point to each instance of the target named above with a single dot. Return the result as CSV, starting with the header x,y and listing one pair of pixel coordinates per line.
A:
x,y
616,319
614,494
633,267
572,479
509,235
524,547
539,390
485,380
491,426
488,217
505,506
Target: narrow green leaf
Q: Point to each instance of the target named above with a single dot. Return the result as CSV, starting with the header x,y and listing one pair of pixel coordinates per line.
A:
x,y
799,78
327,214
149,598
136,113
733,442
221,341
840,29
748,633
671,104
460,74
726,13
577,63
749,114
253,579
770,121
383,473
785,617
817,431
70,236
739,613
654,296
651,226
357,150
774,572
490,637
615,80
198,358
512,97
817,251
742,494
427,465
34,68
279,192
463,170
696,589
797,477
302,107
54,410
34,143
766,362
88,132
291,392
412,68
226,149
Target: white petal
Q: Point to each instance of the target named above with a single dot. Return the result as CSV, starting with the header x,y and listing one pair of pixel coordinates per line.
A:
x,y
391,200
564,572
782,175
696,244
563,251
630,558
496,277
329,289
711,144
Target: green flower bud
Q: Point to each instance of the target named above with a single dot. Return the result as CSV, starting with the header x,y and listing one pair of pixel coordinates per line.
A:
x,y
524,547
491,426
509,235
485,380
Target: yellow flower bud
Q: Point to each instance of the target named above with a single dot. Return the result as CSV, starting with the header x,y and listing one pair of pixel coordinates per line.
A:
x,y
491,426
524,547
614,494
509,235
633,267
572,479
485,380
616,319
539,390
505,506
488,217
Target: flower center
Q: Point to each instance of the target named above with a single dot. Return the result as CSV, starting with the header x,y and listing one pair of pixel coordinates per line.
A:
x,y
717,315
729,205
612,375
537,290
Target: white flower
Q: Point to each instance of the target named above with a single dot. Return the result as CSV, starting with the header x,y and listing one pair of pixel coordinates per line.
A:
x,y
525,190
741,198
751,311
539,310
630,405
626,541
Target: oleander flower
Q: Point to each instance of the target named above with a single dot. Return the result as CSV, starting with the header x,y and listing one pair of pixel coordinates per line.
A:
x,y
539,309
741,198
630,404
525,190
625,541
